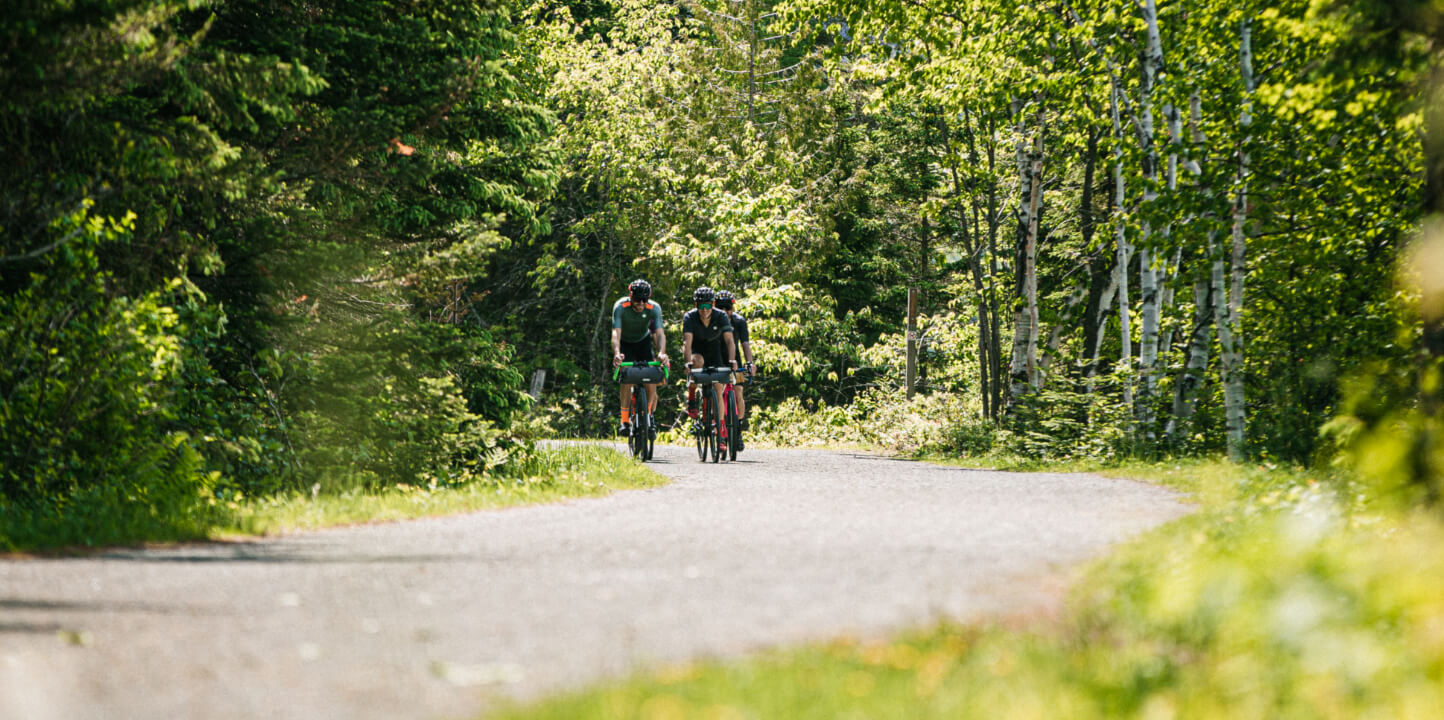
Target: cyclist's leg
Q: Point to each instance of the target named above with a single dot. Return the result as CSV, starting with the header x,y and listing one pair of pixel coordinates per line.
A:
x,y
626,403
697,362
633,352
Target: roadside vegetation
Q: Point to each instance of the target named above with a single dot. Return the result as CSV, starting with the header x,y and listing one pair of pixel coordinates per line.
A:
x,y
1288,593
546,474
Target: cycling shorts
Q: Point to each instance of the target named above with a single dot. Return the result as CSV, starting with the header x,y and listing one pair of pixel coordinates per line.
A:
x,y
713,354
642,351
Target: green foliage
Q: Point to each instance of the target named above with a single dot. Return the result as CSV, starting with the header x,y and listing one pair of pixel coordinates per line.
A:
x,y
377,408
90,378
241,242
550,474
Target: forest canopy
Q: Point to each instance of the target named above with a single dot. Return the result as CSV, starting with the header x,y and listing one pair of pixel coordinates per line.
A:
x,y
261,246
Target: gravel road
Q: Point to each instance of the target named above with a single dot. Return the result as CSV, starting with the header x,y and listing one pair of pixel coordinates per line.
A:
x,y
435,618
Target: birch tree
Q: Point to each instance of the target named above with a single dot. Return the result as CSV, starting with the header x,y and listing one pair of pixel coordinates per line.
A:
x,y
1229,297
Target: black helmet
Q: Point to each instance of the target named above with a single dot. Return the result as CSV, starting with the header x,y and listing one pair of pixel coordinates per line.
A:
x,y
640,290
703,294
724,300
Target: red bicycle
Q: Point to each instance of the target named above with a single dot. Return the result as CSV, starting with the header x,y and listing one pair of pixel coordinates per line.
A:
x,y
716,422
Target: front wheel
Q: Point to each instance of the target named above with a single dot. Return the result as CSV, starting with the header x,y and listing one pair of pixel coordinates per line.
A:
x,y
638,440
699,429
734,428
717,430
650,432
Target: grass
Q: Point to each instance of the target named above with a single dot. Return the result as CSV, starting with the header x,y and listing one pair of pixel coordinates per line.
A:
x,y
553,474
1288,594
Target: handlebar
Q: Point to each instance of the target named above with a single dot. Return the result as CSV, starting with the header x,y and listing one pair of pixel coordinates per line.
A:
x,y
666,370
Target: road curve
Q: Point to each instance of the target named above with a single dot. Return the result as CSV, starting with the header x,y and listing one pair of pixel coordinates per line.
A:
x,y
434,618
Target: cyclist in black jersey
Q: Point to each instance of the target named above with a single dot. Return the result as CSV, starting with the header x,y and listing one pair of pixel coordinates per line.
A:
x,y
707,340
726,303
636,328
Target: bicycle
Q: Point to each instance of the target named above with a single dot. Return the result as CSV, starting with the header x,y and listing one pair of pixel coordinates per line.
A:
x,y
713,419
733,421
643,435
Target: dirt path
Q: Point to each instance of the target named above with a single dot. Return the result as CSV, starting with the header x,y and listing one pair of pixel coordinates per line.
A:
x,y
429,619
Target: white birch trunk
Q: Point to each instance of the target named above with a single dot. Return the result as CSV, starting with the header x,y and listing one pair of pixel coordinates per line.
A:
x,y
1147,262
1205,293
1018,366
1231,322
1035,212
1170,271
1125,251
1023,370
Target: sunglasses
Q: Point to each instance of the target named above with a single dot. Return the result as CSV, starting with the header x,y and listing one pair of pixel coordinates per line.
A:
x,y
704,306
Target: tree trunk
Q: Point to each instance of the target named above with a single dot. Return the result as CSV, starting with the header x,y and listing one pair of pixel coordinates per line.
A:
x,y
1230,328
1173,269
1125,251
1023,371
993,226
1147,262
973,244
1205,295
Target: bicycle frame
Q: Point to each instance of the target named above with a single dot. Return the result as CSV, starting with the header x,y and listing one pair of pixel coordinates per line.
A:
x,y
712,438
641,439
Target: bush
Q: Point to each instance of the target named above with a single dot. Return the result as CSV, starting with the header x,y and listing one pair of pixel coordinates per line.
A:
x,y
91,447
89,379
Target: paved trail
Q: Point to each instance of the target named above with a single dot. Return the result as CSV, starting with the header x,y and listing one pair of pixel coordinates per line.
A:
x,y
430,619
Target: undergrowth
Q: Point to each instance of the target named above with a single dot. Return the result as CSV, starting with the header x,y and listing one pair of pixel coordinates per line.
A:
x,y
106,516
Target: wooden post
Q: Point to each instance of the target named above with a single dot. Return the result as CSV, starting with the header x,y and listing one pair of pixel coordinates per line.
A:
x,y
912,367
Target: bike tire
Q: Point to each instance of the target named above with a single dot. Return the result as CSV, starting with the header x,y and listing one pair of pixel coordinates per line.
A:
x,y
699,427
637,442
719,432
734,427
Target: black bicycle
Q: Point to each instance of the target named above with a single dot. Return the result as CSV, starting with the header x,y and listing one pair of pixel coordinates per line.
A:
x,y
643,434
713,418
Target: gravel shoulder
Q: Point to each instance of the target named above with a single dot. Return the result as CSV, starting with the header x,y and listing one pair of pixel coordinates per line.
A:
x,y
437,618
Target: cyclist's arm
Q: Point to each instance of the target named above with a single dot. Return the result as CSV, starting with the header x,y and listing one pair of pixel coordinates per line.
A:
x,y
659,336
747,350
616,344
687,347
731,349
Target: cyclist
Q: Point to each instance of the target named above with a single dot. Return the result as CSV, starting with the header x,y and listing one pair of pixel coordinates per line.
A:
x,y
725,302
707,340
636,327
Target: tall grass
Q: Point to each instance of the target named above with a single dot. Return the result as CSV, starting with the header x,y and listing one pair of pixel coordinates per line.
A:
x,y
107,515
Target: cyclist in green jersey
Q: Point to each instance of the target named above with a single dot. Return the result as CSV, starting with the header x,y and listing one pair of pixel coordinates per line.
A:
x,y
636,329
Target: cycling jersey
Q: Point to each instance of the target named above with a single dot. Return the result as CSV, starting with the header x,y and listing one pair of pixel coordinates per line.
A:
x,y
739,330
636,326
707,338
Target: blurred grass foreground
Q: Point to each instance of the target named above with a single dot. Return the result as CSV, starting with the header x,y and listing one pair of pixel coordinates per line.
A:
x,y
1287,595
